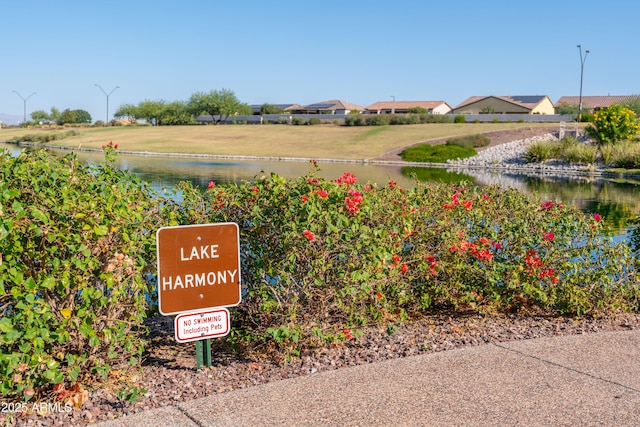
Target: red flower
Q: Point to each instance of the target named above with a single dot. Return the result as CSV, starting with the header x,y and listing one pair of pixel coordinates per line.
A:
x,y
255,189
211,184
322,193
379,295
347,178
309,235
485,254
483,240
547,205
404,268
347,334
353,201
304,198
396,258
468,204
597,217
549,236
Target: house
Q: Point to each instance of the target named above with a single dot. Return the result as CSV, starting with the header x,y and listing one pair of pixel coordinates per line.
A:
x,y
329,107
591,104
403,107
257,108
528,104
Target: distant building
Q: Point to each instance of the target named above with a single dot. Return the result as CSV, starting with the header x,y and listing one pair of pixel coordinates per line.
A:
x,y
287,108
528,104
403,107
591,104
329,107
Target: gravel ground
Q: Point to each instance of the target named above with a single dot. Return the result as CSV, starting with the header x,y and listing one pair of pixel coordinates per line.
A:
x,y
169,376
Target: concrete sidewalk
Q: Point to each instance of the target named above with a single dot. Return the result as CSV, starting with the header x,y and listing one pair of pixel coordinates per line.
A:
x,y
583,380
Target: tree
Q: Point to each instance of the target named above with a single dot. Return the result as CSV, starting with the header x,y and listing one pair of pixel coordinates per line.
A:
x,y
568,109
222,103
418,110
151,111
74,116
55,114
270,109
128,111
40,116
175,113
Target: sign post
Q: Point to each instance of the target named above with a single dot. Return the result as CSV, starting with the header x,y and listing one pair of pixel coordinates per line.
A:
x,y
198,276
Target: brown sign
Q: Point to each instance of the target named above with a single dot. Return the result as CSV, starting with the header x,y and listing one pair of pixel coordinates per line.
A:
x,y
198,267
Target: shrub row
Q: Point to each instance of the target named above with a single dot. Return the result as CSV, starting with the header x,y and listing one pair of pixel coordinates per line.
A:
x,y
40,138
394,119
623,154
323,257
320,259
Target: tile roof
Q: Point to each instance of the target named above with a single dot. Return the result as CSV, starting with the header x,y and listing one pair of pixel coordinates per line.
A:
x,y
527,101
335,104
596,101
405,105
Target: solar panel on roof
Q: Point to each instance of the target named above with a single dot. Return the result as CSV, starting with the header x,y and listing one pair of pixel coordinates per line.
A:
x,y
527,99
318,106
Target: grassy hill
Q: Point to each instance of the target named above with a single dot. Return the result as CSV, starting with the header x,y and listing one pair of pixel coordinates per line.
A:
x,y
318,141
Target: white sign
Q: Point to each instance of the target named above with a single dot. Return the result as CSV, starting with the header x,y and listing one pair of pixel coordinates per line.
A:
x,y
202,325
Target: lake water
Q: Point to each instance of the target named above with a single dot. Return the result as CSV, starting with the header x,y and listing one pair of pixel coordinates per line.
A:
x,y
616,199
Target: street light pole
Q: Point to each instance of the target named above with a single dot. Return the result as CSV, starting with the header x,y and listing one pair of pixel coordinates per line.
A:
x,y
582,61
24,101
106,123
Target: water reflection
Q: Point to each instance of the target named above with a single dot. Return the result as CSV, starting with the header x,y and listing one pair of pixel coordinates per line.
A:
x,y
618,201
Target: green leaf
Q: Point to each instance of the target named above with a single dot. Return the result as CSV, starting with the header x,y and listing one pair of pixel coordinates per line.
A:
x,y
6,325
101,230
49,283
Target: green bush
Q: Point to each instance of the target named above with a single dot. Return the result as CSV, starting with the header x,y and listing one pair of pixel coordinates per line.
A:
x,y
587,118
625,154
377,120
436,153
460,119
321,258
470,141
580,153
299,121
354,120
314,121
614,123
75,244
541,151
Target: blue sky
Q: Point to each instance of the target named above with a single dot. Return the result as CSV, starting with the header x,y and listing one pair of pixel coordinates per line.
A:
x,y
303,52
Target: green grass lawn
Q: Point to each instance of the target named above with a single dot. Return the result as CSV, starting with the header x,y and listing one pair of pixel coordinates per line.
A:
x,y
318,141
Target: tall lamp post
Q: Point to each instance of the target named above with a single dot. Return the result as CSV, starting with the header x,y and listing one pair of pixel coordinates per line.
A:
x,y
582,61
24,101
106,123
